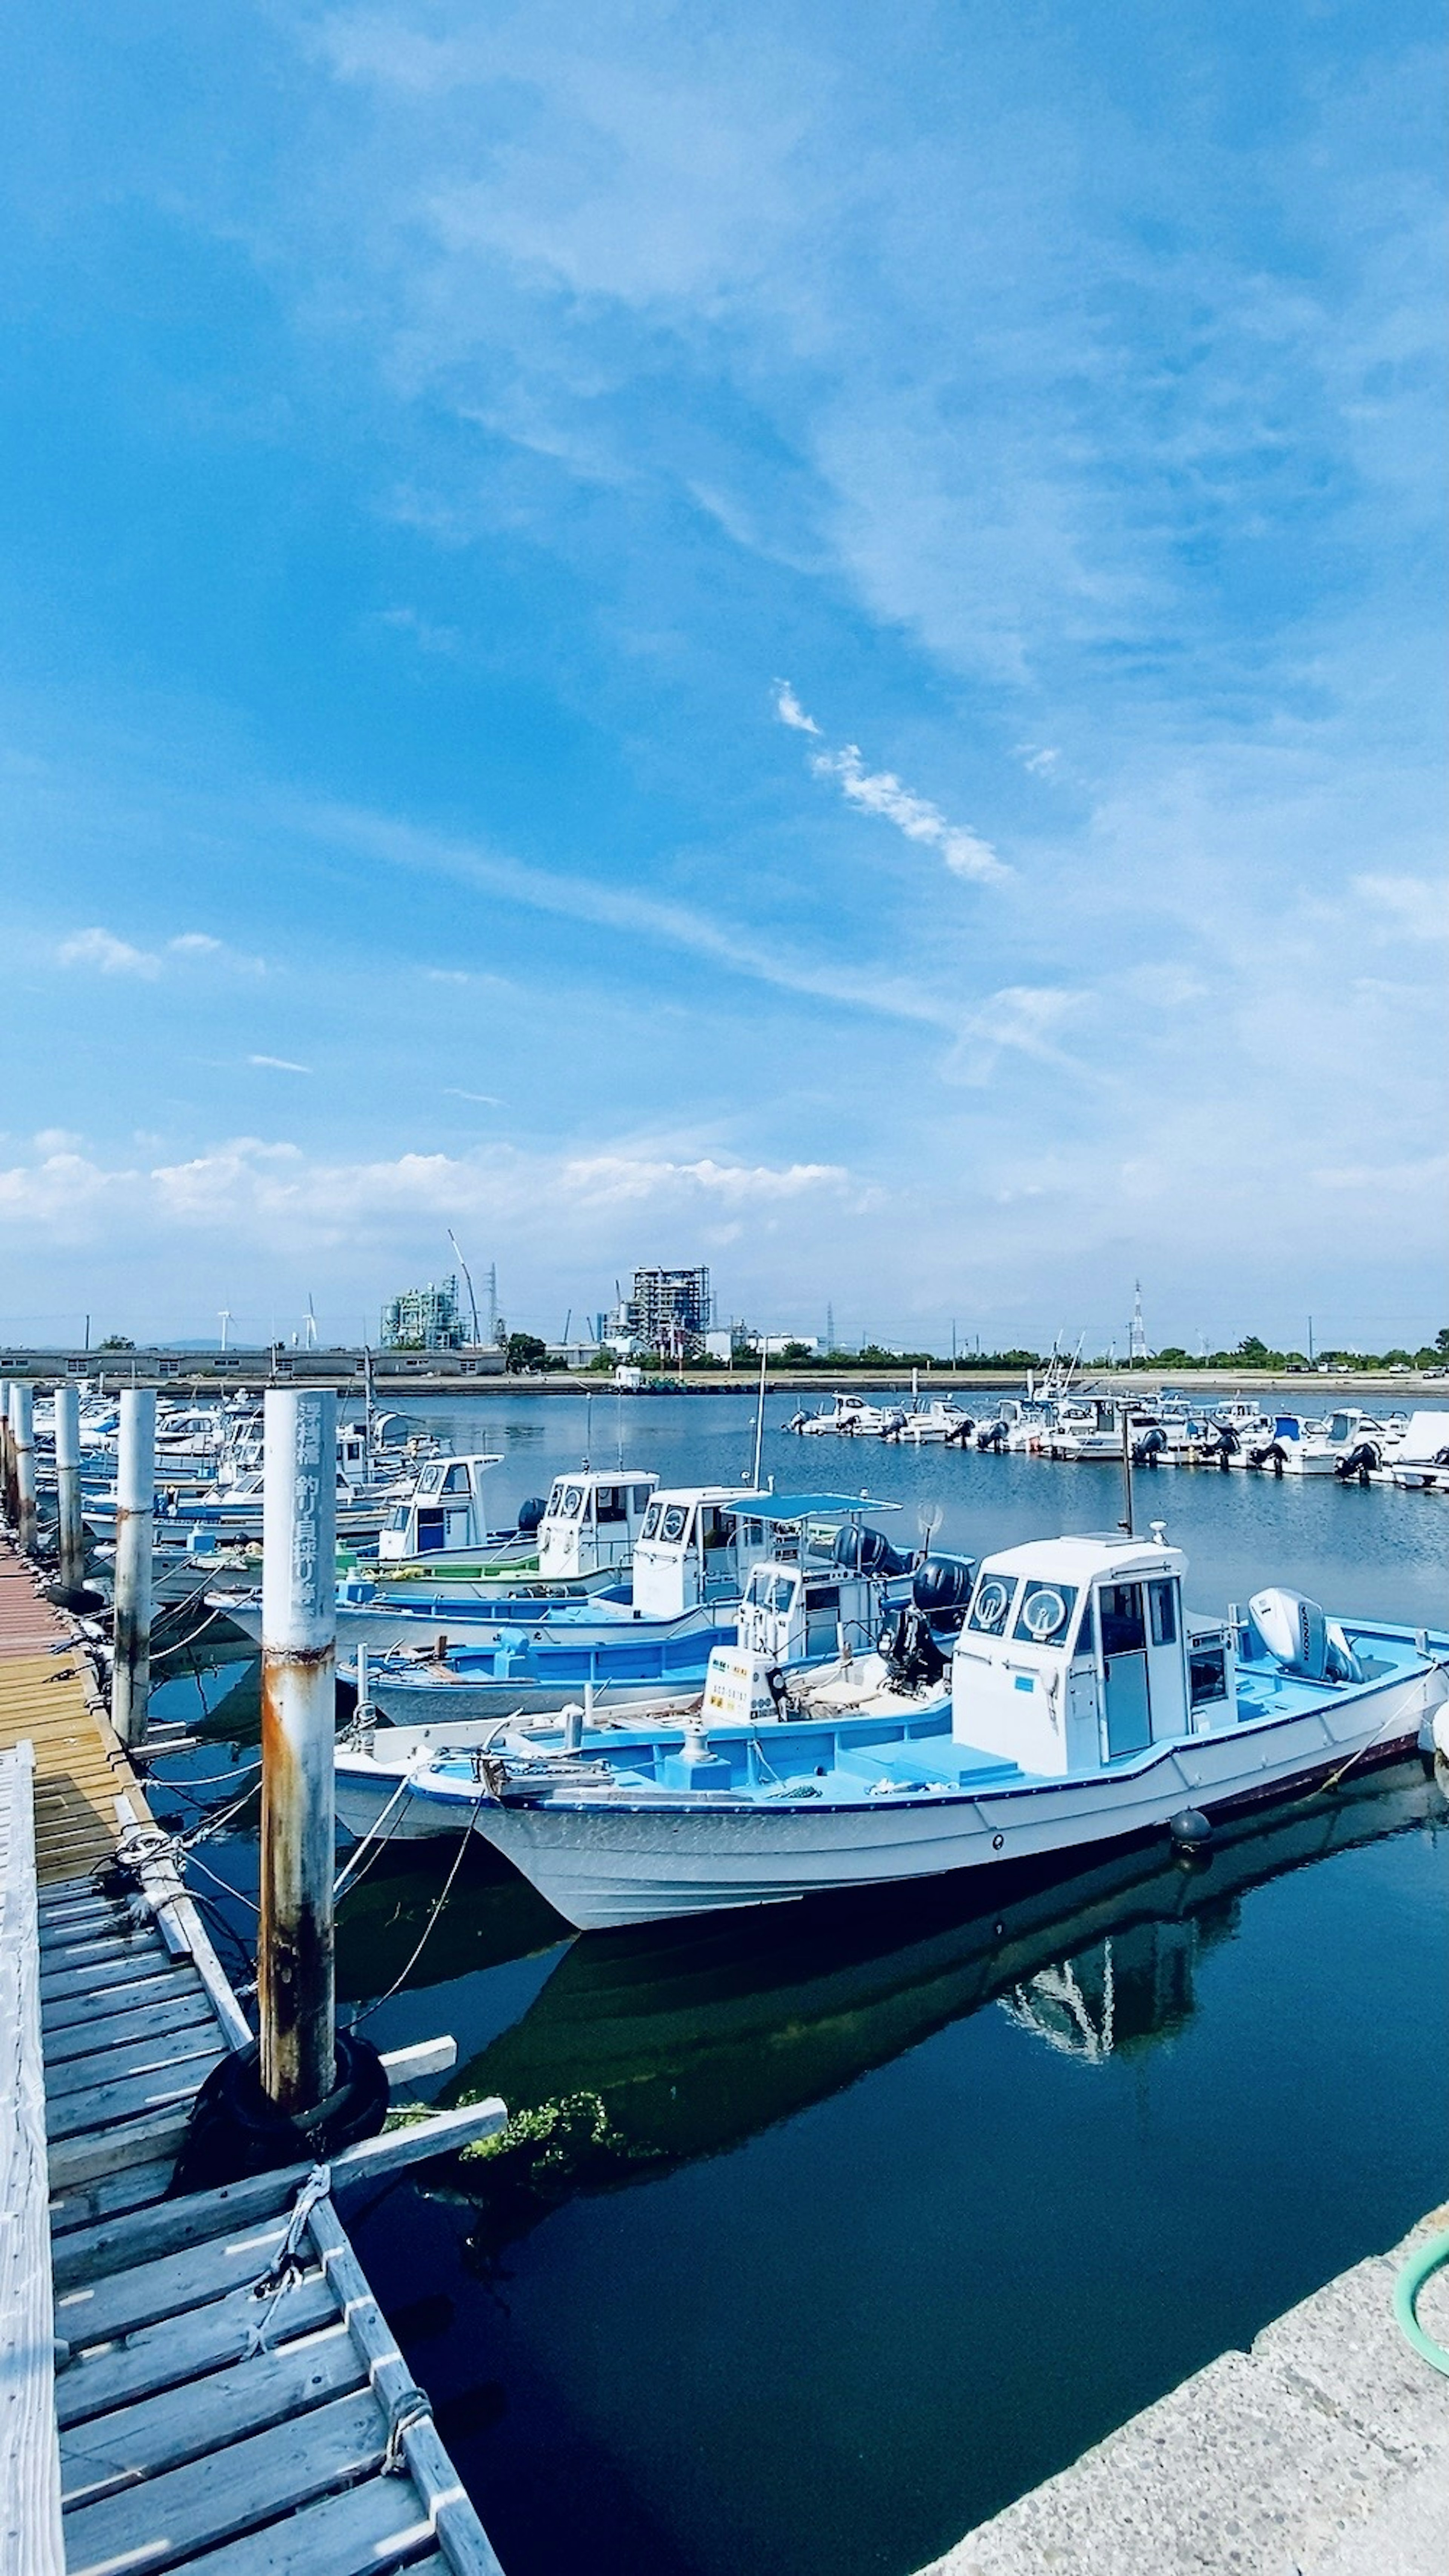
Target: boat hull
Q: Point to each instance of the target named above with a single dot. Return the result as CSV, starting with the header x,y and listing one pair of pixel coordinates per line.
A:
x,y
604,1862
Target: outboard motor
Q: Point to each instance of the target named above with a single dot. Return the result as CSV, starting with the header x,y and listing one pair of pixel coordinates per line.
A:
x,y
530,1514
892,1427
993,1437
1360,1462
1147,1451
941,1590
959,1435
867,1551
1225,1447
913,1660
1298,1635
1272,1454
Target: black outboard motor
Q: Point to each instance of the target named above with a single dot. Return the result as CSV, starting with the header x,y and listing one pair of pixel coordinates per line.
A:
x,y
959,1435
913,1660
1225,1447
867,1551
1360,1462
941,1591
1147,1451
530,1514
993,1437
1271,1455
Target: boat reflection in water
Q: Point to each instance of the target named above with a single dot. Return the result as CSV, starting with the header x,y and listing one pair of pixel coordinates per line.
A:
x,y
655,2045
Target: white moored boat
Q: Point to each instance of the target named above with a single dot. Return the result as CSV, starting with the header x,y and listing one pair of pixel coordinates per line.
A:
x,y
1086,1707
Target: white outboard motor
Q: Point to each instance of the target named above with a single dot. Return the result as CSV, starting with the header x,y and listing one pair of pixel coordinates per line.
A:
x,y
1297,1634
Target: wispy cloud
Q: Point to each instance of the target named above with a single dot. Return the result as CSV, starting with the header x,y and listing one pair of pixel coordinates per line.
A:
x,y
483,1099
880,792
108,954
279,1064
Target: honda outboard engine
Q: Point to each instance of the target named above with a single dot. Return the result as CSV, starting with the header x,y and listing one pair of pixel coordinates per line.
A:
x,y
868,1551
941,1589
1297,1634
530,1514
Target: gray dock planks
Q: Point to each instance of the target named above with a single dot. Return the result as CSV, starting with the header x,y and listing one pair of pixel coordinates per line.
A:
x,y
190,2421
30,2525
197,2422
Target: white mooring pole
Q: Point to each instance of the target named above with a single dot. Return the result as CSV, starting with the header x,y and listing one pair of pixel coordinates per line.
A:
x,y
135,1533
299,1631
22,1424
68,1488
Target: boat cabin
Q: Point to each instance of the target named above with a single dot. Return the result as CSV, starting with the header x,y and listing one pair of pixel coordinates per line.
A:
x,y
815,1582
593,1521
444,1515
691,1549
1077,1652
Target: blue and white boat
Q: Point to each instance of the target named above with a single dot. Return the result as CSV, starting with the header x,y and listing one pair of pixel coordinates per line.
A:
x,y
833,1618
703,1550
1086,1707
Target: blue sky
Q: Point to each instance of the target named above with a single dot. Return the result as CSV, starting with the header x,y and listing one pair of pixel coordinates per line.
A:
x,y
810,639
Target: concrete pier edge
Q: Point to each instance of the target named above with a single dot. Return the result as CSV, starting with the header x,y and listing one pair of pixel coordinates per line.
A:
x,y
1321,2451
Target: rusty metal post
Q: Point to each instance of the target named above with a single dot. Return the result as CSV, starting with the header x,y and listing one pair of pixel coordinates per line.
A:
x,y
135,1531
71,1534
299,1632
22,1424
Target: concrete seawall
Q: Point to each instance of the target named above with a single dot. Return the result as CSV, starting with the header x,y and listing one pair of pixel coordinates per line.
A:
x,y
1322,2451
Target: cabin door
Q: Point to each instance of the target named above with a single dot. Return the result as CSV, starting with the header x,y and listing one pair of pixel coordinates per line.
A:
x,y
1124,1659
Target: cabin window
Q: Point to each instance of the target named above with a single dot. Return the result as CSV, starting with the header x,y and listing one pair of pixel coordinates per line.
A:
x,y
398,1518
456,1480
656,1515
1087,1633
638,1497
1123,1628
1207,1675
430,1532
1046,1613
989,1606
716,1527
571,1502
1164,1613
609,1503
430,1481
676,1519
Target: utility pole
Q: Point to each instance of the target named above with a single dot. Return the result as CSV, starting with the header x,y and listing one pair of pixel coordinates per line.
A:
x,y
22,1430
295,1983
1310,1341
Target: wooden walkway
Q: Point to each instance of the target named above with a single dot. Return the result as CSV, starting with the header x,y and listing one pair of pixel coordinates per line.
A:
x,y
49,1698
203,2381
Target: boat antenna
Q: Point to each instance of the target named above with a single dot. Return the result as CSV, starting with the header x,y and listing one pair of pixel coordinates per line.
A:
x,y
1126,1521
760,1409
588,1423
468,1283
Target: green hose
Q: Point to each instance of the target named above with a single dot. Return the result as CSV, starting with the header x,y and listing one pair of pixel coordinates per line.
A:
x,y
1430,2258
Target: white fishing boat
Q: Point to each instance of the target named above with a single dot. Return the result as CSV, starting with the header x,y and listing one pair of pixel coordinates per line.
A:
x,y
1086,1707
1421,1463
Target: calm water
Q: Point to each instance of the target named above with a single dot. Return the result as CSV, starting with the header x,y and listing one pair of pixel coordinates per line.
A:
x,y
850,2221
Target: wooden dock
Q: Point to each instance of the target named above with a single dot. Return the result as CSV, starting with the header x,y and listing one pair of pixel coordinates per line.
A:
x,y
201,2379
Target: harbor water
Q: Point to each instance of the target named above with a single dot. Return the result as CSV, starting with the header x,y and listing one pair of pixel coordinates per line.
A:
x,y
831,2228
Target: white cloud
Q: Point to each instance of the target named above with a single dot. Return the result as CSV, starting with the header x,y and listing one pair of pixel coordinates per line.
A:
x,y
483,1099
56,1140
790,711
279,1064
195,943
109,955
880,792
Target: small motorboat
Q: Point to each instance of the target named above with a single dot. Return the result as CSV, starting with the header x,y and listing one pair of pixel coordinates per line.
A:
x,y
1086,1707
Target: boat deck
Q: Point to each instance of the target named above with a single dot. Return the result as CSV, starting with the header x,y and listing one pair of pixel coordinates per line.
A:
x,y
204,2377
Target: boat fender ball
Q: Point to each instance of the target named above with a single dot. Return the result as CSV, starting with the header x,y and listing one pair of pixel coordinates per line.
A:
x,y
1190,1829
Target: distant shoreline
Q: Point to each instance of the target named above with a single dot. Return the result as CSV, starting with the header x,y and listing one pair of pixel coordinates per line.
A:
x,y
398,1376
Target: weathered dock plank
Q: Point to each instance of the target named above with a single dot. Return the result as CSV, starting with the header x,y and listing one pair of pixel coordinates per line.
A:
x,y
29,2465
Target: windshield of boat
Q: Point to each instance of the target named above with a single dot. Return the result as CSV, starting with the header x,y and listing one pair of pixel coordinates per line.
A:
x,y
991,1604
1046,1613
769,1589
